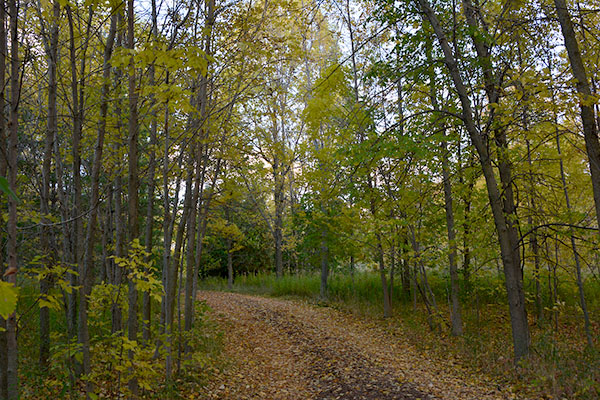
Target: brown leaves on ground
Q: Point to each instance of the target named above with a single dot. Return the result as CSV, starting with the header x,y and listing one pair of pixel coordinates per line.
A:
x,y
291,350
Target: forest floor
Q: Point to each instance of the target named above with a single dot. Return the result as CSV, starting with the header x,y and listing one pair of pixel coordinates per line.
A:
x,y
283,349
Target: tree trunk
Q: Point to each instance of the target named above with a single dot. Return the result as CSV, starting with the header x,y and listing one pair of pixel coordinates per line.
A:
x,y
466,225
427,293
51,131
77,232
278,228
455,315
167,238
405,268
198,228
590,132
534,240
3,133
85,273
12,365
502,211
4,160
576,258
146,302
456,318
191,236
133,184
387,307
229,250
324,265
392,270
229,264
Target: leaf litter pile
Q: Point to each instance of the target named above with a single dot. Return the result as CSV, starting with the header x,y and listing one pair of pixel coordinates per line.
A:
x,y
281,349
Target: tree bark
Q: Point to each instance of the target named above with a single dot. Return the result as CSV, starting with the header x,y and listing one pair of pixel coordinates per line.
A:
x,y
197,227
12,362
167,239
455,317
576,258
132,187
278,223
324,265
502,214
146,301
590,132
77,231
85,273
51,131
229,250
191,236
4,161
3,132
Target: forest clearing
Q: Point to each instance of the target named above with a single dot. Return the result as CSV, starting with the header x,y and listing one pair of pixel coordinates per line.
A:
x,y
371,198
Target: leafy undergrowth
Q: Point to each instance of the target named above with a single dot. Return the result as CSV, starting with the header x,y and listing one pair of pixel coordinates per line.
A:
x,y
560,364
111,367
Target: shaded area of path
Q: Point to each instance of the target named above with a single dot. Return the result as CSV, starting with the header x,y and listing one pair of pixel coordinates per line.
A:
x,y
283,349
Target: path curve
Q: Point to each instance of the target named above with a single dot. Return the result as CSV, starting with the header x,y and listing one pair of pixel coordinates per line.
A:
x,y
289,350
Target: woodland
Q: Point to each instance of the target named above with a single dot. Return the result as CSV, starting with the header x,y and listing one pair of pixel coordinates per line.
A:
x,y
434,164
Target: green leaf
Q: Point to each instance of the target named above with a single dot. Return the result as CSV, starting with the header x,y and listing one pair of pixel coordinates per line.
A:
x,y
5,187
8,299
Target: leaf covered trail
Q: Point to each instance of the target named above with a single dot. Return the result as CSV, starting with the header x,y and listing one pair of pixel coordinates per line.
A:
x,y
284,349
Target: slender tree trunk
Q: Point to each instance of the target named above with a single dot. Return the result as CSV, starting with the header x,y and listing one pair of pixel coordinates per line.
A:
x,y
466,225
3,133
77,231
278,228
324,265
502,210
146,302
576,258
176,260
532,203
197,228
428,294
555,284
4,159
590,132
534,240
456,318
405,265
387,307
392,270
85,273
229,264
191,236
205,204
167,236
132,187
107,260
66,256
229,251
51,131
13,141
117,312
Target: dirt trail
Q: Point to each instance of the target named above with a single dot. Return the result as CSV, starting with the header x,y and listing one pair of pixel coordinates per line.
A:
x,y
290,350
